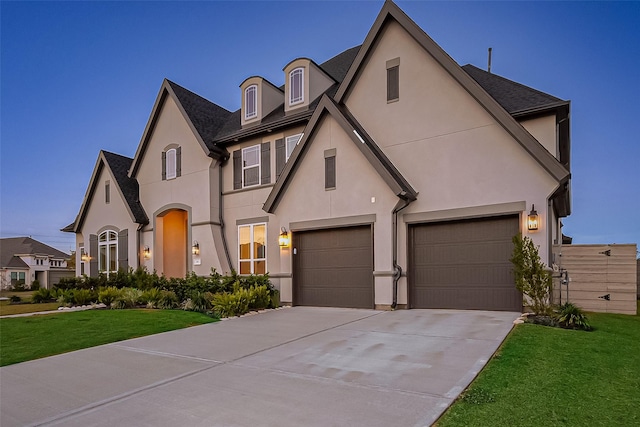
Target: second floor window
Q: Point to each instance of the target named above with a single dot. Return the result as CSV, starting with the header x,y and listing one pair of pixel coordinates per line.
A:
x,y
296,86
251,102
251,166
171,163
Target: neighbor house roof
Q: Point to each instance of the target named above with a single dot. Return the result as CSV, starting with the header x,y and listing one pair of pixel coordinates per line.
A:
x,y
12,246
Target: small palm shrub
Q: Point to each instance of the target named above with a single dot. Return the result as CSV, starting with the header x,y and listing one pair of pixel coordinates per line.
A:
x,y
151,297
259,297
571,316
65,298
108,295
127,298
199,301
41,295
231,304
168,300
84,296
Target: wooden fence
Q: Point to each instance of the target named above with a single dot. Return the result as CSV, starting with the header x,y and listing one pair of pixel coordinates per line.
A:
x,y
602,278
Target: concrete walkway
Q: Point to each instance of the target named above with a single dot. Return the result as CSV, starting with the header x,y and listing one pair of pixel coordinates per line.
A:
x,y
300,366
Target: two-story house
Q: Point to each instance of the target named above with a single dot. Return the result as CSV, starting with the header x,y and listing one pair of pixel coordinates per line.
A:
x,y
385,176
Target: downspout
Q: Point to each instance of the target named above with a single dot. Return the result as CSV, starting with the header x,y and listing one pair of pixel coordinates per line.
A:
x,y
138,231
397,270
221,220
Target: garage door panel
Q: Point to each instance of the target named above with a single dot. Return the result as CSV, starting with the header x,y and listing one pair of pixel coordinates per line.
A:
x,y
464,264
334,268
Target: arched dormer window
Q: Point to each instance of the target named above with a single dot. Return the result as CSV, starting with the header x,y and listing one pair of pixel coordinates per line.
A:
x,y
296,86
251,102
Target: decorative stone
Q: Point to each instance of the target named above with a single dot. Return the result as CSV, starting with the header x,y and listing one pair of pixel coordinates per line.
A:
x,y
518,321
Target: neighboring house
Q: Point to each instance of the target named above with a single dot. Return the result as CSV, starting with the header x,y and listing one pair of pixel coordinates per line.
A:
x,y
23,260
398,176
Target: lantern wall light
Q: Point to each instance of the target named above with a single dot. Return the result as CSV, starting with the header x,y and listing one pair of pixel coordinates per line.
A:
x,y
284,240
532,219
195,248
147,252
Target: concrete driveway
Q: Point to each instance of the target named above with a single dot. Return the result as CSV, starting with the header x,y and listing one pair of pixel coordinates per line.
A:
x,y
298,366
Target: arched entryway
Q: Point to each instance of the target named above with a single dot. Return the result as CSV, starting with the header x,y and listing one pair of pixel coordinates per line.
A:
x,y
172,231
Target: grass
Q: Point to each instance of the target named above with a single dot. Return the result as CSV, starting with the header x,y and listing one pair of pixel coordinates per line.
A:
x,y
6,308
557,377
33,337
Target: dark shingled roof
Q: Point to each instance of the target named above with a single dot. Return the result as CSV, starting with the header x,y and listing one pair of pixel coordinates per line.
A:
x,y
513,97
12,246
207,117
335,67
120,165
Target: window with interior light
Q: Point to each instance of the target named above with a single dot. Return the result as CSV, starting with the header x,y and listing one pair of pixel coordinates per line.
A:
x,y
108,252
251,102
296,86
252,248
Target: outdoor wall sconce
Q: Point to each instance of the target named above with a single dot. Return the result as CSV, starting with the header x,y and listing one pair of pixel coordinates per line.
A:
x,y
532,219
284,240
195,248
85,258
147,252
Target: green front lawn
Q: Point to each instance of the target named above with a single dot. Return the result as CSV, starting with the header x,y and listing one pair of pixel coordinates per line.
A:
x,y
546,376
33,337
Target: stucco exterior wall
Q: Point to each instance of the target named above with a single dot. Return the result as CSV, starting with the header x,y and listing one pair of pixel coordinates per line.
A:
x,y
195,190
450,149
544,130
359,191
101,216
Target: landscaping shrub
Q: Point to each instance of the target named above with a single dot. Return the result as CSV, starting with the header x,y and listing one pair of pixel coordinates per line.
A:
x,y
571,316
532,277
231,304
15,298
35,285
65,298
127,298
18,286
84,296
41,295
108,295
259,297
199,301
168,300
151,297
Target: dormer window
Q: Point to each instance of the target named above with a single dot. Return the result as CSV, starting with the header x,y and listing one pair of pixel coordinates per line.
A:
x,y
251,102
296,86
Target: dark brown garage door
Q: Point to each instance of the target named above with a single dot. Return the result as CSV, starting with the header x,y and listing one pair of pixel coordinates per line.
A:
x,y
333,268
464,265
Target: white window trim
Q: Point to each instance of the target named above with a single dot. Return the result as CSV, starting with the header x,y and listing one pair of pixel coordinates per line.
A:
x,y
293,139
108,243
292,101
171,159
259,165
252,259
253,90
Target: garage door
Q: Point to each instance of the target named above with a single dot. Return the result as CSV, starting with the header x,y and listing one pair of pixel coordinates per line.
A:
x,y
464,265
333,268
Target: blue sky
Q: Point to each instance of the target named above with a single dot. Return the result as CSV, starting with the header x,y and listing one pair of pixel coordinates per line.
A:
x,y
77,77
